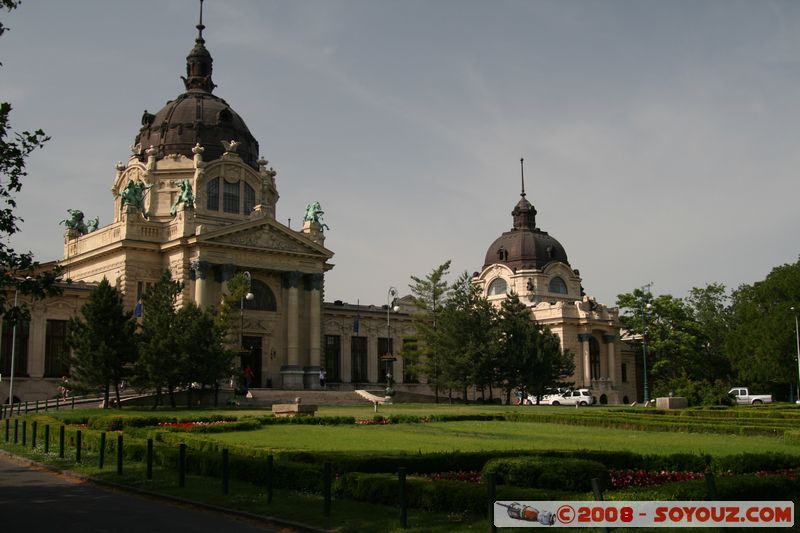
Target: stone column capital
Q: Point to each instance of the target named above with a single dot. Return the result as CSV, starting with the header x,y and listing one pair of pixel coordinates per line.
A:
x,y
608,338
291,280
314,282
584,337
198,269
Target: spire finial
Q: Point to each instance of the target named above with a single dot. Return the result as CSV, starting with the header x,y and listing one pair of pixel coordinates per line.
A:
x,y
200,26
522,174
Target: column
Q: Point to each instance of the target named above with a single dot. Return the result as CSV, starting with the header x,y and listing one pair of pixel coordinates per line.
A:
x,y
587,376
347,356
292,372
609,339
199,270
314,286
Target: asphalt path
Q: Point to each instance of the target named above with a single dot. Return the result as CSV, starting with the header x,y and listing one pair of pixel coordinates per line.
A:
x,y
34,499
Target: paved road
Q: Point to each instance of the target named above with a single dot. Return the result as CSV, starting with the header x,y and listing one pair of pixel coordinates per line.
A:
x,y
34,500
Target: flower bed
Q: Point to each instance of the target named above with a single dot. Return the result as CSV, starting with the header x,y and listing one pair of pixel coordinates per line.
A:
x,y
187,425
373,422
622,479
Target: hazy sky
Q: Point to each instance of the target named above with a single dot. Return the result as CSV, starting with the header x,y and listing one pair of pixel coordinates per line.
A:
x,y
660,137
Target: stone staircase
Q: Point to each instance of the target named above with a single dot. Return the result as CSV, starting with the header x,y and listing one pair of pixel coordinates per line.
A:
x,y
268,397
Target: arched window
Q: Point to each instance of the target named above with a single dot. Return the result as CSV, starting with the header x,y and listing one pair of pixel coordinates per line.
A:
x,y
557,285
594,357
249,199
264,298
212,195
498,287
230,197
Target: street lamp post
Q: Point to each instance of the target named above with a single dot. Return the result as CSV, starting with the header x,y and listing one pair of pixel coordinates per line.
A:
x,y
249,297
389,358
644,307
797,338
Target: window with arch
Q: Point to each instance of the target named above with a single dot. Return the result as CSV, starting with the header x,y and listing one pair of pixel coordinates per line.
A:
x,y
230,197
249,199
263,297
236,196
498,287
557,286
594,357
212,195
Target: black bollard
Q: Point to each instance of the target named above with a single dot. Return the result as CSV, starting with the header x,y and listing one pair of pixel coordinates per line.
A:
x,y
8,427
78,446
47,438
225,471
102,458
24,432
269,478
119,454
33,434
491,496
182,465
401,479
326,488
61,442
149,458
16,429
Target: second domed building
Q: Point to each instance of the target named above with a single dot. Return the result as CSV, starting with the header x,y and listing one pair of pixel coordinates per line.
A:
x,y
531,263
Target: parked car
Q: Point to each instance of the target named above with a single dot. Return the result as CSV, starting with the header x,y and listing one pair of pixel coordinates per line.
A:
x,y
576,397
743,396
551,395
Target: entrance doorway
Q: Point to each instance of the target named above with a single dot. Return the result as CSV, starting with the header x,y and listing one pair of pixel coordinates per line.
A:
x,y
251,356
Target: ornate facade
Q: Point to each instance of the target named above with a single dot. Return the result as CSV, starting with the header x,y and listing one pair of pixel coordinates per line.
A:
x,y
531,263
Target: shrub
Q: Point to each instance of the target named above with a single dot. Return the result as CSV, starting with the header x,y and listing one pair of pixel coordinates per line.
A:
x,y
548,472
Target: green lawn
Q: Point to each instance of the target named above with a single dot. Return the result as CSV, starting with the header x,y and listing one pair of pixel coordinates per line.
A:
x,y
495,435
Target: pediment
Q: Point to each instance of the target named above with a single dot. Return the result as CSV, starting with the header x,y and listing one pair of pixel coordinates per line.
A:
x,y
267,236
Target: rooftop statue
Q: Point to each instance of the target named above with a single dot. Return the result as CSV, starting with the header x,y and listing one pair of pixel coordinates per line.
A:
x,y
75,221
92,224
314,213
133,194
185,197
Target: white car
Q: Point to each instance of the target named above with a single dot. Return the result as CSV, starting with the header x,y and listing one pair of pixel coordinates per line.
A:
x,y
576,397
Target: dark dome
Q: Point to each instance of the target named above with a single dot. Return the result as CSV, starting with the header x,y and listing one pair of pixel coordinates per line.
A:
x,y
523,249
197,116
525,246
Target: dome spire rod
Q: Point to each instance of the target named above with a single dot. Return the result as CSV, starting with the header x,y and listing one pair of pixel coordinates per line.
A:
x,y
200,26
522,174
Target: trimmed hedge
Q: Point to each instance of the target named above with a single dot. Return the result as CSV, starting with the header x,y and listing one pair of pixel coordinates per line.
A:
x,y
442,495
548,472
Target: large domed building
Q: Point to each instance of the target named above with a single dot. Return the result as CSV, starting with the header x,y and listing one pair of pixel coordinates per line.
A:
x,y
531,263
195,198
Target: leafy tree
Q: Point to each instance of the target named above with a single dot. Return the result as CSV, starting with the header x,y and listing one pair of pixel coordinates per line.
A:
x,y
530,354
18,271
161,362
761,343
465,338
429,295
201,349
675,344
711,310
102,342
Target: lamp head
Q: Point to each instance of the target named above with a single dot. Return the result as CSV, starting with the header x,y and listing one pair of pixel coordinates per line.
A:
x,y
396,308
249,296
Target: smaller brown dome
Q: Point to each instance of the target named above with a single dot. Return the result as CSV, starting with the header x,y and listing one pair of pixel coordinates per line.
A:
x,y
525,246
525,249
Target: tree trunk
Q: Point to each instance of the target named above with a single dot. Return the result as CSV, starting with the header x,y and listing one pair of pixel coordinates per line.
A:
x,y
106,393
172,397
116,394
